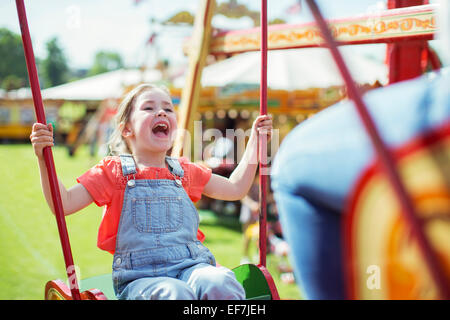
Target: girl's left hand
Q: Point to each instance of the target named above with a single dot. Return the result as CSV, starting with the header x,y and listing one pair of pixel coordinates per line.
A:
x,y
263,125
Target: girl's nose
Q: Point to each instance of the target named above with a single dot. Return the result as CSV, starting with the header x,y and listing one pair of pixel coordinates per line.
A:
x,y
161,113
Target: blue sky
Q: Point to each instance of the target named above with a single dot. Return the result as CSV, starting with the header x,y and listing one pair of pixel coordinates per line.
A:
x,y
87,26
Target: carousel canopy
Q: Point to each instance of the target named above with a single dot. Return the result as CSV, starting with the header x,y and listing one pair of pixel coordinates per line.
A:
x,y
102,86
293,69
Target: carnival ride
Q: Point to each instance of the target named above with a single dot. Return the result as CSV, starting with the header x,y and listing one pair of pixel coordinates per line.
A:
x,y
406,31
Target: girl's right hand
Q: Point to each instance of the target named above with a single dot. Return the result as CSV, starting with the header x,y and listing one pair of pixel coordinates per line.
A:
x,y
41,136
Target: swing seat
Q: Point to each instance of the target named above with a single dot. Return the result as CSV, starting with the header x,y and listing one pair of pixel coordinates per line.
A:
x,y
256,280
58,290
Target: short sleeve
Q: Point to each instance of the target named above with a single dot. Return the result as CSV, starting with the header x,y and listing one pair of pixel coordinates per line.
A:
x,y
100,181
199,176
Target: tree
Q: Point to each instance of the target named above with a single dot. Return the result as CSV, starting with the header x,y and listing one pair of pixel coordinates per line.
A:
x,y
13,69
105,61
54,68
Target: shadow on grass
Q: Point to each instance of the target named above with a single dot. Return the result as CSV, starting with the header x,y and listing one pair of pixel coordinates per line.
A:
x,y
210,218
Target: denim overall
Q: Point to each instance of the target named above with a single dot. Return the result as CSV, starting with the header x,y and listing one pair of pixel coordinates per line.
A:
x,y
157,253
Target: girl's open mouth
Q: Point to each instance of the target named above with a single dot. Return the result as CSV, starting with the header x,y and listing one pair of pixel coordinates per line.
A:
x,y
161,129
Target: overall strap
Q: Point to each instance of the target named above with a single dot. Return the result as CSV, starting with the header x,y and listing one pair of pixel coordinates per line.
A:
x,y
174,166
128,164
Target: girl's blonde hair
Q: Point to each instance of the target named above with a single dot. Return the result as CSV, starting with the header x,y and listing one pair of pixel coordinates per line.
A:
x,y
117,144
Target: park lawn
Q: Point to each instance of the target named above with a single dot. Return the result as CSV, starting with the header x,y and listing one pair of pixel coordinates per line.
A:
x,y
30,250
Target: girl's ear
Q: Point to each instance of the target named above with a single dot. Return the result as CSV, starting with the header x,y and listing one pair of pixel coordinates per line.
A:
x,y
126,132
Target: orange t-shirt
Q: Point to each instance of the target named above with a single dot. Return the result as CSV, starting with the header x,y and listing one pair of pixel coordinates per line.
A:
x,y
106,184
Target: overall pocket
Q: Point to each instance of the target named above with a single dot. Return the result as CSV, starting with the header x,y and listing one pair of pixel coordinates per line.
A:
x,y
157,215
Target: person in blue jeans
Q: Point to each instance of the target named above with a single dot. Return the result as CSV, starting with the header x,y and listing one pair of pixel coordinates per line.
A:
x,y
320,160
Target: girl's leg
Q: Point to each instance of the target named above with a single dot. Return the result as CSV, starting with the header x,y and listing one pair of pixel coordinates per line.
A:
x,y
213,283
157,288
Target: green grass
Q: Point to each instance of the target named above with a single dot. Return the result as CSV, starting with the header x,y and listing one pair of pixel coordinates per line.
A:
x,y
30,250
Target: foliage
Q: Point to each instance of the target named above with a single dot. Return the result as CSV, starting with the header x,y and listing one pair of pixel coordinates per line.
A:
x,y
53,70
54,67
12,82
13,69
105,61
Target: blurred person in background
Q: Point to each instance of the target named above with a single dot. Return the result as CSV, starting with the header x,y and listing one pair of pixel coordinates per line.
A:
x,y
320,160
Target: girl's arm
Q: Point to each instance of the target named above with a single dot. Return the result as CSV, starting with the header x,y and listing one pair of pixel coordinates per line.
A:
x,y
238,184
74,199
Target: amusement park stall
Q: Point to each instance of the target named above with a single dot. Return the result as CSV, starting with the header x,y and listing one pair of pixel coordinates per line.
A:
x,y
69,107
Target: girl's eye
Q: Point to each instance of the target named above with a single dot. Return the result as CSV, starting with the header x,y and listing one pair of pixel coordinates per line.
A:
x,y
168,110
148,108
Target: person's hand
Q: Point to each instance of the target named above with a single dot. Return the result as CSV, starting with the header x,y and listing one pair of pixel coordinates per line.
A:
x,y
263,125
41,136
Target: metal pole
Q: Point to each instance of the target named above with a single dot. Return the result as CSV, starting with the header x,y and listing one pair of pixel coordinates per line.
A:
x,y
384,156
262,140
48,156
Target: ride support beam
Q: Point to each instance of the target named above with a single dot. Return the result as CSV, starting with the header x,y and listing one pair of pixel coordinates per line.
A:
x,y
405,58
262,140
387,26
197,57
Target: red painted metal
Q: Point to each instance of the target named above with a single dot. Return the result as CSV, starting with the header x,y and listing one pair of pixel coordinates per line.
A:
x,y
227,36
262,140
270,282
404,58
434,59
48,156
386,160
428,59
58,290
